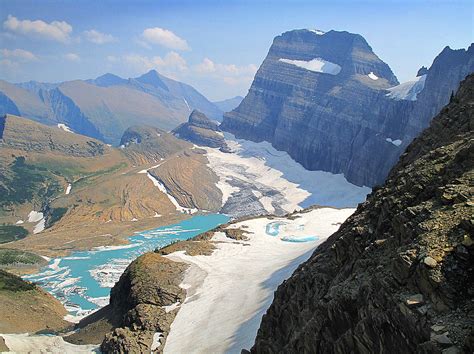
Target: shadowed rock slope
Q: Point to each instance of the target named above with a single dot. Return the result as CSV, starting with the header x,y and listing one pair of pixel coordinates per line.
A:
x,y
398,275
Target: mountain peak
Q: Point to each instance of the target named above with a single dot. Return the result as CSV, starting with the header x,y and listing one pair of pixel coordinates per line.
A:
x,y
109,79
152,78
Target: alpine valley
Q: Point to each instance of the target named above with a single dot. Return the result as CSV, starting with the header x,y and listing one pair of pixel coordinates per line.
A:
x,y
330,210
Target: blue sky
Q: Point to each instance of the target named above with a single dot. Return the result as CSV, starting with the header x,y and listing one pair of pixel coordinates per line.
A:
x,y
214,45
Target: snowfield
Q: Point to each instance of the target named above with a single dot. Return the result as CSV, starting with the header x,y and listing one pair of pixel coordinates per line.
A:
x,y
229,291
274,181
24,343
318,65
407,90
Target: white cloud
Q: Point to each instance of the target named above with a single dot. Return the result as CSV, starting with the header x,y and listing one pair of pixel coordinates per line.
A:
x,y
99,37
8,65
20,54
55,30
165,38
171,64
112,59
229,73
206,66
72,57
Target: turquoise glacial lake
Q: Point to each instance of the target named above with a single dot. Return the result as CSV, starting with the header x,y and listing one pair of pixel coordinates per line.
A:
x,y
82,281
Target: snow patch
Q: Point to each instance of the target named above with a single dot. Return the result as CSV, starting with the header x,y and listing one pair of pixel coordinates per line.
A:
x,y
396,142
35,216
187,105
172,199
373,76
318,65
318,32
407,90
65,128
169,308
156,341
25,343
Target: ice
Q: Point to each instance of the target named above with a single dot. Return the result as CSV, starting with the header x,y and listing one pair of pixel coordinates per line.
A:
x,y
407,90
276,179
318,65
228,292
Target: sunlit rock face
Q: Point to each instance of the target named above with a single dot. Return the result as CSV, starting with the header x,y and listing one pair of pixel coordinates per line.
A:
x,y
324,98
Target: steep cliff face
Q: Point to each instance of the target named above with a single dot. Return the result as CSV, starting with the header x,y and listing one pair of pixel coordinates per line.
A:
x,y
322,97
202,131
397,277
7,106
64,110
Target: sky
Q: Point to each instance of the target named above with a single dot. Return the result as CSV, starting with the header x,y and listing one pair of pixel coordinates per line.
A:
x,y
216,46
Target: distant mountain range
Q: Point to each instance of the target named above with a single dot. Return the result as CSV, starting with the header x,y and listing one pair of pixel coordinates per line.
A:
x,y
333,105
105,107
229,104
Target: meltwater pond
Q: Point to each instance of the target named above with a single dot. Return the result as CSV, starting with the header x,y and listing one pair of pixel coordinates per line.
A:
x,y
82,281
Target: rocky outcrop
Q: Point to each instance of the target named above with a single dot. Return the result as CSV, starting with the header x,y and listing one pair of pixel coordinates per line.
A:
x,y
322,97
202,131
138,302
397,277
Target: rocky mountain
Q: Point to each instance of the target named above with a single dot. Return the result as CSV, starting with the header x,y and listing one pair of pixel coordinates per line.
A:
x,y
229,104
333,105
202,131
104,107
397,277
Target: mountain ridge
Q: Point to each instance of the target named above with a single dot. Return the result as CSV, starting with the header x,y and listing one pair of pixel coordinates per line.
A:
x,y
324,99
104,107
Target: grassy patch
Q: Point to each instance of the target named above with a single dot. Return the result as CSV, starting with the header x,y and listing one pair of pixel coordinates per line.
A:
x,y
25,183
86,180
10,282
11,256
10,233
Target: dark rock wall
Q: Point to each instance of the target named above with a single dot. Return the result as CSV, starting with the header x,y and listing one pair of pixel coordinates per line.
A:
x,y
340,123
398,276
